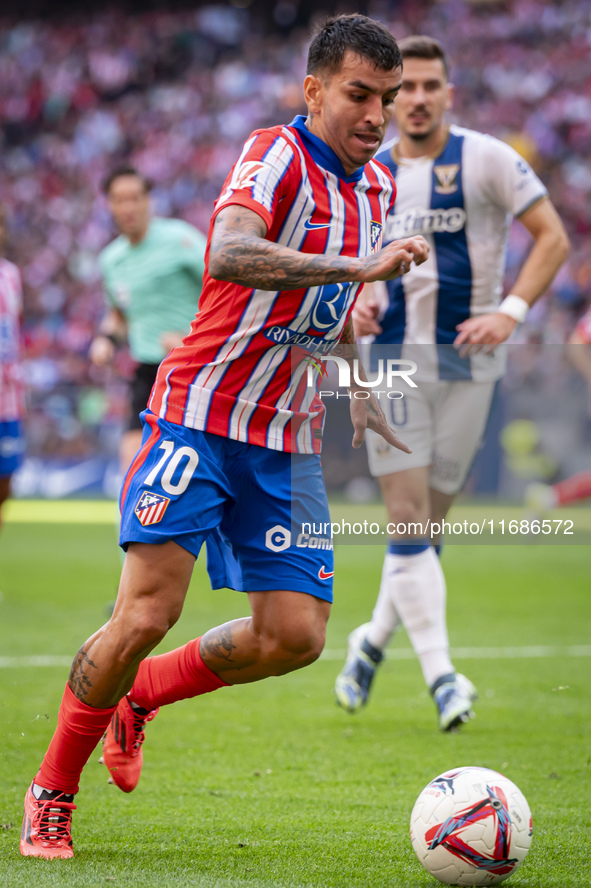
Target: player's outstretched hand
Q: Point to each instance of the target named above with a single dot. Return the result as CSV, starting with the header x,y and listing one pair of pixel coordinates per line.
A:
x,y
483,333
366,413
394,259
365,318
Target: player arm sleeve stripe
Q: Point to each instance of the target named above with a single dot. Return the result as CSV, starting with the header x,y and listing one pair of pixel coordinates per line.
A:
x,y
532,203
244,200
513,184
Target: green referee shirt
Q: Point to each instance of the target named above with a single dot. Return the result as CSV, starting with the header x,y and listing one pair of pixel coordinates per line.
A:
x,y
156,284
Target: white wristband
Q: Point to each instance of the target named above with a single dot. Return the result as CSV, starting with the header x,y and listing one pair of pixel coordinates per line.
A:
x,y
514,306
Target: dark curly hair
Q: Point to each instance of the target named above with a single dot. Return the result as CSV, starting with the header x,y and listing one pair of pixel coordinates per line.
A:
x,y
361,35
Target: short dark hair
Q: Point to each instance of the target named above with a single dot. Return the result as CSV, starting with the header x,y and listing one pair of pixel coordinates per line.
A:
x,y
125,170
421,47
361,35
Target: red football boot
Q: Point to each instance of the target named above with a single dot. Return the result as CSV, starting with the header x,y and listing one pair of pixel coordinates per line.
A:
x,y
47,825
122,745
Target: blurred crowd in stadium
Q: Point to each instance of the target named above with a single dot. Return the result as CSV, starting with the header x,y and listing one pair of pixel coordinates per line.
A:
x,y
177,93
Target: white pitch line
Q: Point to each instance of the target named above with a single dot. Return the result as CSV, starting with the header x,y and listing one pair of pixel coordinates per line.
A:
x,y
461,653
23,662
484,653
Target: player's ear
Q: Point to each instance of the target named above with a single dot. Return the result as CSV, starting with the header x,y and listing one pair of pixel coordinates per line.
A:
x,y
449,98
313,93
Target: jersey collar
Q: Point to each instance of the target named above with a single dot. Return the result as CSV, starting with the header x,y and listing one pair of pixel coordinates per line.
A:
x,y
322,154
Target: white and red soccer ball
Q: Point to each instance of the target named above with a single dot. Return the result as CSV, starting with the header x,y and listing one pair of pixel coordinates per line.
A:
x,y
471,826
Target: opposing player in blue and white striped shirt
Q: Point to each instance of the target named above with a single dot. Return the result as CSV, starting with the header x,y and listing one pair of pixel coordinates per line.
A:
x,y
460,190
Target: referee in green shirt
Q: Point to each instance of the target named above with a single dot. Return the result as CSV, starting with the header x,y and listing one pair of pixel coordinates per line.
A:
x,y
152,275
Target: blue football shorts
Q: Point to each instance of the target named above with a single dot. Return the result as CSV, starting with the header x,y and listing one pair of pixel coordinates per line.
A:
x,y
12,447
263,514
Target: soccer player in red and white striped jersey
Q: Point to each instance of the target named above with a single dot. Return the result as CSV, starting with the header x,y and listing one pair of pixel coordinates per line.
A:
x,y
232,432
234,374
11,374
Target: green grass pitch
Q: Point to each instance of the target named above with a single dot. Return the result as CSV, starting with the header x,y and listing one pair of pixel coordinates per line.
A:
x,y
271,784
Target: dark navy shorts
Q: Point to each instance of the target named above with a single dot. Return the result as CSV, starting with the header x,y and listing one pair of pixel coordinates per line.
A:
x,y
263,514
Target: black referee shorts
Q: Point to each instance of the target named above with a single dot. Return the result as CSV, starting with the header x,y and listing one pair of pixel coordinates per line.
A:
x,y
141,386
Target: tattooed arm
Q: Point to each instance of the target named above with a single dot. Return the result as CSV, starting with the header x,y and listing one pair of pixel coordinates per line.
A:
x,y
240,253
366,412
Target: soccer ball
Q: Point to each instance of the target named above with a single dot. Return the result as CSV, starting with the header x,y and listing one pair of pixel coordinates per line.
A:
x,y
471,826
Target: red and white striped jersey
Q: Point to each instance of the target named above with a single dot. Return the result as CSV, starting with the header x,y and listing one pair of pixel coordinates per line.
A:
x,y
11,375
243,370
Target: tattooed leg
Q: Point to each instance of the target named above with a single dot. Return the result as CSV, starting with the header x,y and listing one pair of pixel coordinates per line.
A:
x,y
218,643
153,585
285,632
80,674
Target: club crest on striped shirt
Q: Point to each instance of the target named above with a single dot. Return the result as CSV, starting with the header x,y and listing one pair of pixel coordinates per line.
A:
x,y
375,233
446,177
151,508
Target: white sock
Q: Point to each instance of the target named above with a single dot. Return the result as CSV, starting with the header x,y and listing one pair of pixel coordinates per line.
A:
x,y
384,620
39,790
416,590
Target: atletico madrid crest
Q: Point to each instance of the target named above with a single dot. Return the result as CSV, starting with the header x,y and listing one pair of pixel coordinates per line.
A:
x,y
375,236
151,508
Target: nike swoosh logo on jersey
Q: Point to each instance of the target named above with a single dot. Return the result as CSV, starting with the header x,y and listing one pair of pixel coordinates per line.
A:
x,y
312,226
325,575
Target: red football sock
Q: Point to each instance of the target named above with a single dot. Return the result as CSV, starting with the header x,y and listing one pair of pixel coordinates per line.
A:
x,y
174,676
572,489
79,729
